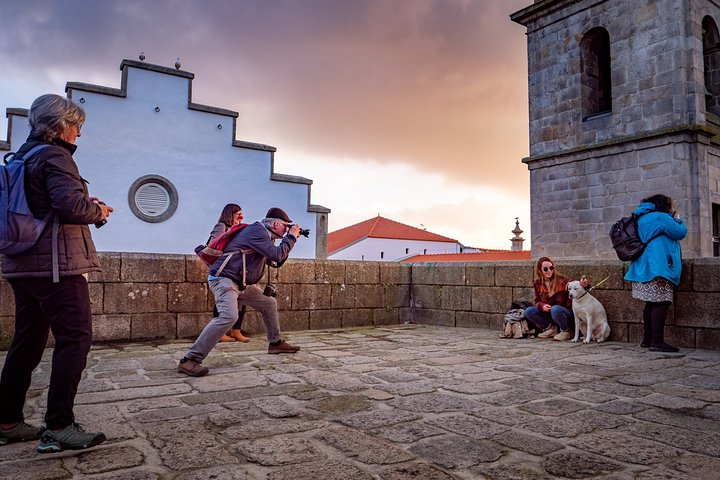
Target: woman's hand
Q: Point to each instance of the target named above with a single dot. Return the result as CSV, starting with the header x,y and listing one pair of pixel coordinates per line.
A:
x,y
546,307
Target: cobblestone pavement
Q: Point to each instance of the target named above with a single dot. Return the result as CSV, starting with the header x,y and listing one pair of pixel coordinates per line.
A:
x,y
401,402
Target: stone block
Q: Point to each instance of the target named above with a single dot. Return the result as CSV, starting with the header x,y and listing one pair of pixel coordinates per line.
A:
x,y
189,325
514,274
620,306
195,270
426,296
395,273
476,319
330,271
357,317
110,263
491,299
705,338
362,272
679,336
96,292
142,267
428,316
7,331
342,296
187,297
253,324
324,319
146,326
697,309
7,299
687,275
108,328
523,293
438,274
386,316
706,274
407,315
456,298
284,296
310,296
135,298
369,296
635,332
296,271
397,296
295,320
619,332
596,271
480,275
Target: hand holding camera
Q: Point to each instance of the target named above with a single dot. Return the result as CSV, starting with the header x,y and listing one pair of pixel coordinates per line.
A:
x,y
296,231
104,211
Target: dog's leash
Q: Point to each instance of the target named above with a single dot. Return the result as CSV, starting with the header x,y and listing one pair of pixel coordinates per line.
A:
x,y
598,284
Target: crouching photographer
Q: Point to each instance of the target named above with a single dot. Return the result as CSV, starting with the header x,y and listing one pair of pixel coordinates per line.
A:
x,y
233,280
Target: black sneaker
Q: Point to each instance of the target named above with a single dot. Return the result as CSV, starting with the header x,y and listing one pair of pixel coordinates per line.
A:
x,y
20,433
72,437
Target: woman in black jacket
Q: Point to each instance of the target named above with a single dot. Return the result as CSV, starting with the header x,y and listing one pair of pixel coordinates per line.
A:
x,y
65,251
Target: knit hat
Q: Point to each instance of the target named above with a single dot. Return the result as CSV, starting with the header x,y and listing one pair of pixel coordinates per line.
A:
x,y
278,213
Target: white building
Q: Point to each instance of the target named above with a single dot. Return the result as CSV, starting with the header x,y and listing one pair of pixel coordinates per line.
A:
x,y
383,239
168,165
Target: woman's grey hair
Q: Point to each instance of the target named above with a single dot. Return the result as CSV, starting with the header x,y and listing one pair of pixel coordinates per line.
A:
x,y
50,115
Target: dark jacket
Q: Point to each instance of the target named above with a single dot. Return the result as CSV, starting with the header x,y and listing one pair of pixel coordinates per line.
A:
x,y
262,250
561,297
53,182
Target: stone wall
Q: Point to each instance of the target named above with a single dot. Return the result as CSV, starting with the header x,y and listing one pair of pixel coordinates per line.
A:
x,y
164,297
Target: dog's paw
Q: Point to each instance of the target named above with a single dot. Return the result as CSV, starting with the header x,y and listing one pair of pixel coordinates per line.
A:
x,y
587,340
575,340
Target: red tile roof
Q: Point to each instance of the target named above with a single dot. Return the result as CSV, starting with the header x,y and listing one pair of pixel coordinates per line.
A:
x,y
484,256
380,227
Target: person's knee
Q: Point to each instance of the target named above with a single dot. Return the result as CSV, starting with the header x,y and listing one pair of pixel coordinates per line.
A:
x,y
531,311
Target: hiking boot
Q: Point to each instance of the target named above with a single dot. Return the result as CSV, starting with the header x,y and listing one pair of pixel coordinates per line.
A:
x,y
72,437
549,332
562,336
20,433
227,338
282,347
663,347
190,367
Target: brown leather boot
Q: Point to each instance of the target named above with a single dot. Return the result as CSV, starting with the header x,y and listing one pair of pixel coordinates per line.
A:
x,y
236,334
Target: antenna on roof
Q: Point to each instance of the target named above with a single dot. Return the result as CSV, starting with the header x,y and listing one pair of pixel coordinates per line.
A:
x,y
424,227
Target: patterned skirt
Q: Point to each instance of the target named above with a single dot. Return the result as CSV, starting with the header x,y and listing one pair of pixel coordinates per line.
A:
x,y
656,290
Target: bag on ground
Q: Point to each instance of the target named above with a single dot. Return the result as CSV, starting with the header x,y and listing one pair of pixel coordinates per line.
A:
x,y
516,326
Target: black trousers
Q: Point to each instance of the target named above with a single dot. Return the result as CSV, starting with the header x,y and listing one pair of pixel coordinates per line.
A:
x,y
41,306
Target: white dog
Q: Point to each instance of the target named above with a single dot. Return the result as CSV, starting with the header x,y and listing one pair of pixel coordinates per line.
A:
x,y
590,316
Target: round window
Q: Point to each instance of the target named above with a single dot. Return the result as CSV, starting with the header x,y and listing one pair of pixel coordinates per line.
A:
x,y
153,198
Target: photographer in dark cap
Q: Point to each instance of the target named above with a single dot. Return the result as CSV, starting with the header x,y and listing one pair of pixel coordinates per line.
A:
x,y
233,280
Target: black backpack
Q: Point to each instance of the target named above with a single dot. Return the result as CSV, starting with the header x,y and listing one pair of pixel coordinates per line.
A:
x,y
626,239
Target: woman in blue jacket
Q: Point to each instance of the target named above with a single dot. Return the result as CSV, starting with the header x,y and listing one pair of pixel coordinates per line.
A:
x,y
656,273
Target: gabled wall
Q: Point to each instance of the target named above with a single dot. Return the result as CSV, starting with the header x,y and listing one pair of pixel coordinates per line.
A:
x,y
151,127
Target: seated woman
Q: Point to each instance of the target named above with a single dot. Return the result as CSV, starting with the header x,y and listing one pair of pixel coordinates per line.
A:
x,y
553,307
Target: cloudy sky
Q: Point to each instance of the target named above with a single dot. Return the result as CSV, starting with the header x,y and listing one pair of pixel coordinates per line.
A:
x,y
412,109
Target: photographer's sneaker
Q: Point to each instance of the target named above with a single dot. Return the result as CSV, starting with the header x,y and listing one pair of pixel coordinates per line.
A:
x,y
282,347
21,432
72,437
190,367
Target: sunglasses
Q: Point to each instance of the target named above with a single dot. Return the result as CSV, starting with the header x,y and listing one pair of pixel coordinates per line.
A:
x,y
548,269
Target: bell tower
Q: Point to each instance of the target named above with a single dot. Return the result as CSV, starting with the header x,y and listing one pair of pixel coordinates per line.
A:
x,y
624,102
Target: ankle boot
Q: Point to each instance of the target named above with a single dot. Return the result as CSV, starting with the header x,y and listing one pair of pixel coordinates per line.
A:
x,y
657,339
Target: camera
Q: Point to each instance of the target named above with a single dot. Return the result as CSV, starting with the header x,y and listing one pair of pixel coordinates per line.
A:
x,y
102,222
305,232
270,290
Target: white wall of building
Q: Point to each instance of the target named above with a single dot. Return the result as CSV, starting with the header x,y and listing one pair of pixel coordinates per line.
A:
x,y
125,138
385,249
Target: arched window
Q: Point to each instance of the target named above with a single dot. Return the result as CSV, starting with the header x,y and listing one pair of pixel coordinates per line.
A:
x,y
711,62
595,67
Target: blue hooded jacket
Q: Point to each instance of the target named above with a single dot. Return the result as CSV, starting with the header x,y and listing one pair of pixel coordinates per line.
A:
x,y
662,257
